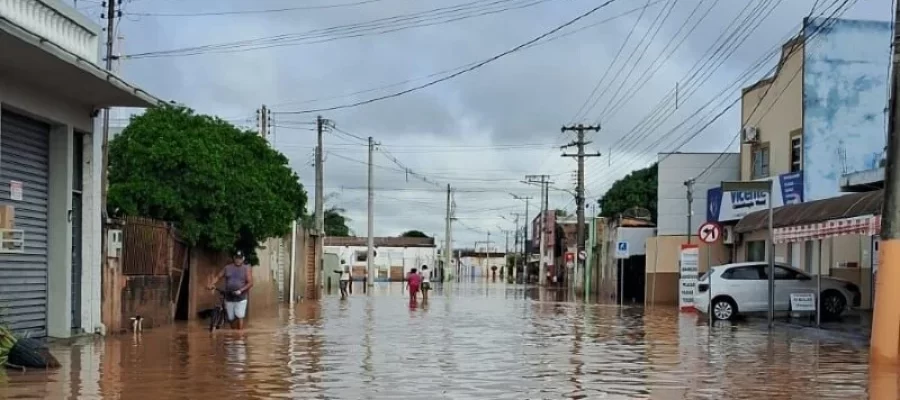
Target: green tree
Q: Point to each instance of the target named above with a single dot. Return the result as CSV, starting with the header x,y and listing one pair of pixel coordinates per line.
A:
x,y
335,222
414,233
223,187
637,189
561,213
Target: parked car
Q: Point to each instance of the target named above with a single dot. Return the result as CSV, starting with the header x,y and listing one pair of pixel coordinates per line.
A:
x,y
743,288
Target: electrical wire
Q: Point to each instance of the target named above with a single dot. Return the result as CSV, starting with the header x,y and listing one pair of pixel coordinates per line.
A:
x,y
375,27
252,12
458,73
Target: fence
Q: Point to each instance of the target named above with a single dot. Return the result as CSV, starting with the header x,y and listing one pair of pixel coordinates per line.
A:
x,y
146,247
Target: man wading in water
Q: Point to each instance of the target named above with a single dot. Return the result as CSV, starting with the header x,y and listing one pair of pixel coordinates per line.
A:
x,y
238,281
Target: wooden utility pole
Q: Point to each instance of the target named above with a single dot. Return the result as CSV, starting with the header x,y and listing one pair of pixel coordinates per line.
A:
x,y
885,345
579,142
370,224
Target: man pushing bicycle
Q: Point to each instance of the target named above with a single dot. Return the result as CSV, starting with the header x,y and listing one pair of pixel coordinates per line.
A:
x,y
238,281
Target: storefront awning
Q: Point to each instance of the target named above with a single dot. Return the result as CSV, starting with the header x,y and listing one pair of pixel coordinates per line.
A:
x,y
851,214
32,59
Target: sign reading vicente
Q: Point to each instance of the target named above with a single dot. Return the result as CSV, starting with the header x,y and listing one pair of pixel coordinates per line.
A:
x,y
730,206
690,269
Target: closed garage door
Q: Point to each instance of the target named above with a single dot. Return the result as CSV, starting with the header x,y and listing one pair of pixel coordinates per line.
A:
x,y
24,154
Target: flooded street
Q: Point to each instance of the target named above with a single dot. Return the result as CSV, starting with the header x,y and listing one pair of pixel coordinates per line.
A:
x,y
471,341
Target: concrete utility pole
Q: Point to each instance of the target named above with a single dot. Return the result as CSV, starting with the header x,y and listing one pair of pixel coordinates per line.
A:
x,y
544,181
525,253
321,125
579,142
111,14
886,317
448,243
370,224
263,121
689,184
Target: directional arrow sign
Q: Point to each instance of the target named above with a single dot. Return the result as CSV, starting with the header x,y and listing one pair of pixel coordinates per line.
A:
x,y
710,232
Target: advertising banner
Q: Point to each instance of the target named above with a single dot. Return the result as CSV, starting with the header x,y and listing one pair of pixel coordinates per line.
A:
x,y
690,269
731,206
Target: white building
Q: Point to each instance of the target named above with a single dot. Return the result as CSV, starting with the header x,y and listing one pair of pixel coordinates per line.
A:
x,y
51,91
394,256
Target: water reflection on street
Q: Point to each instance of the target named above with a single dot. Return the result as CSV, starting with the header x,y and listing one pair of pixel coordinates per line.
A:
x,y
471,341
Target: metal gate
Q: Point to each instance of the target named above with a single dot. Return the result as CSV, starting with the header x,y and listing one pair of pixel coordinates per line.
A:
x,y
24,155
77,213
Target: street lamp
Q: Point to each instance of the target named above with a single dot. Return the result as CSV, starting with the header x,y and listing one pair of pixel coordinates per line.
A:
x,y
761,187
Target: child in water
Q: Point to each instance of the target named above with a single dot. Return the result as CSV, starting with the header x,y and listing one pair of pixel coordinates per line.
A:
x,y
413,282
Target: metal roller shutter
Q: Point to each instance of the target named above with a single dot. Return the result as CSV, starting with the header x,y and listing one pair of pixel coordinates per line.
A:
x,y
24,157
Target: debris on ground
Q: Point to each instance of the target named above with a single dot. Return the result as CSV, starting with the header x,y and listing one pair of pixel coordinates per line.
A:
x,y
23,353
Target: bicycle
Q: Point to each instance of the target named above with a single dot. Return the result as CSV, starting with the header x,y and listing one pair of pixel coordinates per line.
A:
x,y
218,315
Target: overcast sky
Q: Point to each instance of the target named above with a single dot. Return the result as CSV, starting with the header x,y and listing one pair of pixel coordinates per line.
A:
x,y
483,131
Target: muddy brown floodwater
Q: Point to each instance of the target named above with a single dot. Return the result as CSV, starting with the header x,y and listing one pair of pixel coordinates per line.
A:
x,y
472,341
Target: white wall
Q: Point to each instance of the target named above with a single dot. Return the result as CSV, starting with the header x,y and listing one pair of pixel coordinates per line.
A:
x,y
676,168
409,257
66,116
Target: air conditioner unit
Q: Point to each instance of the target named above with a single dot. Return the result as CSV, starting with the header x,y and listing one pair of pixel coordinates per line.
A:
x,y
750,134
728,235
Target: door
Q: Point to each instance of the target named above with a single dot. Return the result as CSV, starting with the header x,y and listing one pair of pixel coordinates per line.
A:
x,y
77,212
24,163
787,281
747,285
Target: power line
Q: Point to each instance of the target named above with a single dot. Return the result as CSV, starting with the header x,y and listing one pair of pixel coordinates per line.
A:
x,y
250,12
451,70
379,26
458,73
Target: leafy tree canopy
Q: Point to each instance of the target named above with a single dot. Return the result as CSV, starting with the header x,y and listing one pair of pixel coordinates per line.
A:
x,y
637,189
414,233
335,222
221,186
561,213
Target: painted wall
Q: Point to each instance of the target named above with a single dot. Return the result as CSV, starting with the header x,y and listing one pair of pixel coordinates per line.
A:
x,y
845,83
708,170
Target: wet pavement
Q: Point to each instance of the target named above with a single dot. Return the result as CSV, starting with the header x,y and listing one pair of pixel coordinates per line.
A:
x,y
471,341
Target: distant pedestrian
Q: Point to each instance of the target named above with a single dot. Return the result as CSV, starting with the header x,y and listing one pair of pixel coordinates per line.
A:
x,y
413,282
344,281
426,282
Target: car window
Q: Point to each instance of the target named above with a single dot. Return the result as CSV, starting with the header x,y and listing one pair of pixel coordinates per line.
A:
x,y
747,273
784,274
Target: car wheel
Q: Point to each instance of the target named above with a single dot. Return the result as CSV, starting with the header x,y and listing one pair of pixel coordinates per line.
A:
x,y
833,304
724,309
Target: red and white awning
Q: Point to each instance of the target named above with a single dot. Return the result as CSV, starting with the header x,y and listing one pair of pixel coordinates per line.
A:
x,y
868,225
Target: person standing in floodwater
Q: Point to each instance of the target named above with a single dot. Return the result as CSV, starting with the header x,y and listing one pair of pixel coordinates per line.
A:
x,y
413,282
238,281
426,282
344,281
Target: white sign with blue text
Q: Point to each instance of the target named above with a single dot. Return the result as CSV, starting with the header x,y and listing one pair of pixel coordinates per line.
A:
x,y
731,206
622,250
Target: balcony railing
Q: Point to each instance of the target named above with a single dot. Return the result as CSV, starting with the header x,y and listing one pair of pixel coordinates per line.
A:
x,y
58,23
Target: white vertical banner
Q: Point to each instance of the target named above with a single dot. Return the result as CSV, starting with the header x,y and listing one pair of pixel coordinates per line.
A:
x,y
690,268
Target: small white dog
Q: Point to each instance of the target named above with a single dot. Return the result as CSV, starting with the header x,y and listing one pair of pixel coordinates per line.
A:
x,y
137,324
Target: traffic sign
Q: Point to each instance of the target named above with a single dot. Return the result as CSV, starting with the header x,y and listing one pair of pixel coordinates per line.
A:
x,y
582,255
709,232
622,250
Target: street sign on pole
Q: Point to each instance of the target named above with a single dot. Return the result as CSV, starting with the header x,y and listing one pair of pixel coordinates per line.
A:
x,y
622,250
709,232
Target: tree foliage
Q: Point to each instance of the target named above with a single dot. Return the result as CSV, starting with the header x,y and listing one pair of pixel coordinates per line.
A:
x,y
335,222
414,233
223,187
637,189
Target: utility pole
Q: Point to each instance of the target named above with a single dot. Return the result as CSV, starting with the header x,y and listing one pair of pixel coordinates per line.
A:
x,y
321,125
525,253
544,181
263,122
689,184
885,342
111,14
579,142
448,251
370,224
